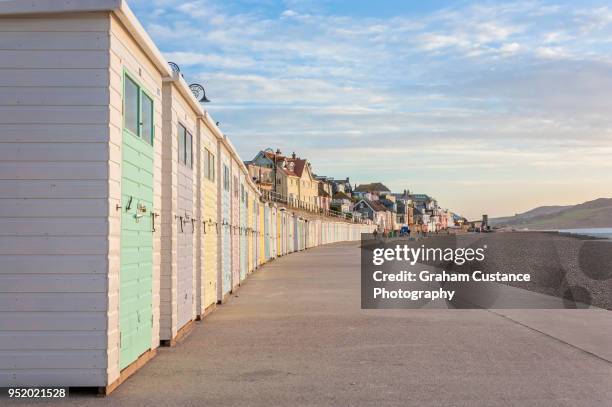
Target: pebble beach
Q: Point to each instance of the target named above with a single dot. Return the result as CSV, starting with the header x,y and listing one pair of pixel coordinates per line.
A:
x,y
576,268
571,267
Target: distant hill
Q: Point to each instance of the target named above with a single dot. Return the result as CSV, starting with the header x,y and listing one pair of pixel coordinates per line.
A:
x,y
591,214
540,210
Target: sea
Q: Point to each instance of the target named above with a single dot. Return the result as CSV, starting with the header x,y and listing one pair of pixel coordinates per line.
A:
x,y
602,233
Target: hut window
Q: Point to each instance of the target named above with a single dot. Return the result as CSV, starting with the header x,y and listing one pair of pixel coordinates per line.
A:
x,y
189,150
226,181
182,139
138,110
209,165
185,146
131,105
206,164
212,167
147,119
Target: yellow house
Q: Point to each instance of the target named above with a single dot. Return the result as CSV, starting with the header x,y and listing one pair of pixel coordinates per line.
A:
x,y
308,186
287,182
296,181
291,177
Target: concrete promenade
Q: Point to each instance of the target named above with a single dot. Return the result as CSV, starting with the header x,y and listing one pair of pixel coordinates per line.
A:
x,y
294,335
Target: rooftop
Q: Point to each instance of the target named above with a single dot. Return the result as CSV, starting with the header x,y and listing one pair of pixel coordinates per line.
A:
x,y
372,187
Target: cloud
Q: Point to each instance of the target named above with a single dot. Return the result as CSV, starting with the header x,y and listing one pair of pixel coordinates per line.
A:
x,y
210,60
289,14
510,48
474,93
552,52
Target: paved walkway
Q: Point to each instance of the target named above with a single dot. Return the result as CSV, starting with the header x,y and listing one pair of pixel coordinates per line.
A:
x,y
295,336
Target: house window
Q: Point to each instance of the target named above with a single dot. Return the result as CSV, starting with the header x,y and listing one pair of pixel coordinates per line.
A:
x,y
137,110
226,180
236,186
242,199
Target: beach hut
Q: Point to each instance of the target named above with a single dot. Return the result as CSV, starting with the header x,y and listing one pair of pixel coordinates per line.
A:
x,y
208,270
261,233
266,232
253,210
235,220
296,233
283,231
280,231
82,134
256,223
248,229
304,230
271,231
290,232
244,248
179,172
224,280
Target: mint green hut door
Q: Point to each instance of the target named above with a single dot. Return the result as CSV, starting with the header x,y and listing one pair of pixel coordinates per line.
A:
x,y
137,223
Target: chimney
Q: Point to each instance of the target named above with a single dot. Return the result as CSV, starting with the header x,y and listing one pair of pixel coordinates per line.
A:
x,y
293,155
278,152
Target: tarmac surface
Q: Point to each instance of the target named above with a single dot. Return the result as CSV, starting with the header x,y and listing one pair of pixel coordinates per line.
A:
x,y
294,335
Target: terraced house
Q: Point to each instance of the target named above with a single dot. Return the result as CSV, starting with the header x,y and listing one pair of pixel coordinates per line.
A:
x,y
289,177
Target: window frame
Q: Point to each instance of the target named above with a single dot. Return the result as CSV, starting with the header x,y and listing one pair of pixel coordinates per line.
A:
x,y
209,165
141,90
151,135
182,143
189,145
213,167
183,157
226,178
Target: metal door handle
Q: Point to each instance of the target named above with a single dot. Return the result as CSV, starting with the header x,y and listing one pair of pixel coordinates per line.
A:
x,y
153,216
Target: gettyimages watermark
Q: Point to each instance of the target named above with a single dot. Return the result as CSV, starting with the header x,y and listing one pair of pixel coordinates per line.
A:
x,y
543,271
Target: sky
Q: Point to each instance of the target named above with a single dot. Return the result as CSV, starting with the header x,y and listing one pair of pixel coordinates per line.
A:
x,y
490,107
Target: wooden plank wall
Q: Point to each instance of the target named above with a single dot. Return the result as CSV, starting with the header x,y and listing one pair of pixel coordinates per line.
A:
x,y
54,200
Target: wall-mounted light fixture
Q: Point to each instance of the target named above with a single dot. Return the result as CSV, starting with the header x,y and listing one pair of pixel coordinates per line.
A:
x,y
199,92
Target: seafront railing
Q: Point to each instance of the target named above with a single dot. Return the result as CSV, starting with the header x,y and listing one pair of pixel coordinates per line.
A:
x,y
272,196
